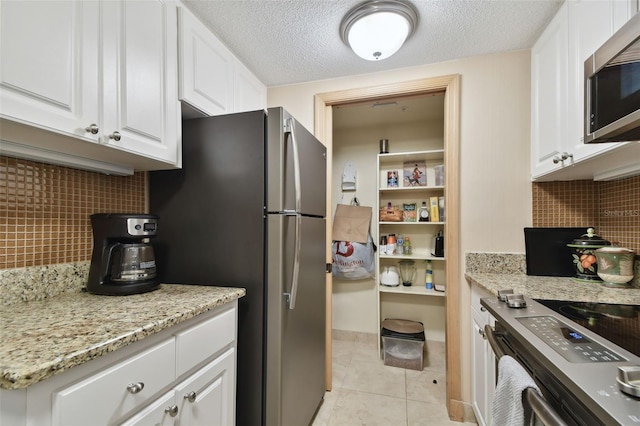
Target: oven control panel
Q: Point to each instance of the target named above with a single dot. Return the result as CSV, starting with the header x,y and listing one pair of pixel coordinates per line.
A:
x,y
572,345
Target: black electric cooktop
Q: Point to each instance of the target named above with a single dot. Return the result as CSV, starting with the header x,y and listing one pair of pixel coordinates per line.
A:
x,y
619,324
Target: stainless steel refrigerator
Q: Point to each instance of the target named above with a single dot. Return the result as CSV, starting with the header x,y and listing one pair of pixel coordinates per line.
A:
x,y
248,210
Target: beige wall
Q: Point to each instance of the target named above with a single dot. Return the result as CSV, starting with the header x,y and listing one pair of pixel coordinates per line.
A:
x,y
495,186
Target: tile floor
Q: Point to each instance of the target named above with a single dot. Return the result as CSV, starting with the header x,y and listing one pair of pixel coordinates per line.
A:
x,y
367,392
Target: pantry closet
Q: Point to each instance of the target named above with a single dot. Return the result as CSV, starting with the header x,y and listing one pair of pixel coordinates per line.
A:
x,y
419,119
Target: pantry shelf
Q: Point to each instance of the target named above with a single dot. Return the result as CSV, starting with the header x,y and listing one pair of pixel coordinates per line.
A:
x,y
412,189
411,223
413,290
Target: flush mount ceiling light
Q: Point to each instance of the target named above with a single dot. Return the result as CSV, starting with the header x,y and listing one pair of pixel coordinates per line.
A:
x,y
377,29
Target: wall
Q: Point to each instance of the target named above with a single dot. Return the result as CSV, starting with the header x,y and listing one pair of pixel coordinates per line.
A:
x,y
612,207
44,210
495,188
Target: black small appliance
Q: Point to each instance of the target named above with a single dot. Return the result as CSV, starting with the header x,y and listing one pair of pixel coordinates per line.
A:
x,y
122,261
439,249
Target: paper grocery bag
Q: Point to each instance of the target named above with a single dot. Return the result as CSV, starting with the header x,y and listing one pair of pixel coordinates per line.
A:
x,y
351,223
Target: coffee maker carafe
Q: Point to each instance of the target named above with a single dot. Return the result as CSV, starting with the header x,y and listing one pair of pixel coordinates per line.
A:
x,y
122,261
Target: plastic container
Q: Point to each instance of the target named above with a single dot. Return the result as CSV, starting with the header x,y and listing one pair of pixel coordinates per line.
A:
x,y
429,276
403,348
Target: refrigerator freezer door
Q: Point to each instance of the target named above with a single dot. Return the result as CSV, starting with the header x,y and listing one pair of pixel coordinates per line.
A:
x,y
213,231
295,337
285,138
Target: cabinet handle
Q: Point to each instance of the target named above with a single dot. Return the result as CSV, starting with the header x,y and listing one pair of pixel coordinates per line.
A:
x,y
481,332
171,410
135,387
483,309
93,129
558,158
191,397
115,136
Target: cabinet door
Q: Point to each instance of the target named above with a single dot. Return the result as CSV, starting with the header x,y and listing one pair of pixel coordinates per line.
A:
x,y
157,414
479,374
248,93
139,77
590,24
549,71
206,68
208,396
49,72
622,11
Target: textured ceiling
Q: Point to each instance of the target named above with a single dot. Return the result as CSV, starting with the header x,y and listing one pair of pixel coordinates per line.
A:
x,y
286,42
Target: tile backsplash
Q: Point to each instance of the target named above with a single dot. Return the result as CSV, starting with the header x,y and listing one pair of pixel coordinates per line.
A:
x,y
44,210
612,207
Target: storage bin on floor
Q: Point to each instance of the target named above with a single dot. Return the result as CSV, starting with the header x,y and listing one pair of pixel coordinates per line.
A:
x,y
402,343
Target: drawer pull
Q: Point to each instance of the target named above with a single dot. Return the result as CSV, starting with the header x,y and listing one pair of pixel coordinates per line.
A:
x,y
483,309
171,410
191,397
135,387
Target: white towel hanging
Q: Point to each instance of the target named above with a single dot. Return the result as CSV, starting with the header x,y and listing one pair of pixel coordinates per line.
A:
x,y
349,177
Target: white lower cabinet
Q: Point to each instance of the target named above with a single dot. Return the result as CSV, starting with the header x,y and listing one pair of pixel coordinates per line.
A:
x,y
203,398
483,361
120,389
184,375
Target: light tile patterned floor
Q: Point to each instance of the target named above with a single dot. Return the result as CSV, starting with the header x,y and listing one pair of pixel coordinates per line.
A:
x,y
367,392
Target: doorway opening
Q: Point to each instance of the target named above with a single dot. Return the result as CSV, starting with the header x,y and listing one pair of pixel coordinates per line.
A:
x,y
336,115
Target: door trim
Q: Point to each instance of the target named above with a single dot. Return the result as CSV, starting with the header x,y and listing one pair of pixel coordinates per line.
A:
x,y
323,128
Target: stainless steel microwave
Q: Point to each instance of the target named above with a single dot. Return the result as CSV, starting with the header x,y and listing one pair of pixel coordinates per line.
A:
x,y
612,88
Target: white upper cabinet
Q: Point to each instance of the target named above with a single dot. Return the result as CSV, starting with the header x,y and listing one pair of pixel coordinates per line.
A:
x,y
139,96
248,92
549,72
49,72
212,81
557,80
206,67
86,71
591,23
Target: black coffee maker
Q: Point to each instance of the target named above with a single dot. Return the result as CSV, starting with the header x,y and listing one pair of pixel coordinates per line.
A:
x,y
122,261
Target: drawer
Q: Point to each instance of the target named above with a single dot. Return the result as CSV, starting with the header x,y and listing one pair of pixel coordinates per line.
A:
x,y
476,294
204,340
103,398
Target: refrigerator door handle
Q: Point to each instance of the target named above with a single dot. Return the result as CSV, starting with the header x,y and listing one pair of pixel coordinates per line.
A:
x,y
291,296
289,130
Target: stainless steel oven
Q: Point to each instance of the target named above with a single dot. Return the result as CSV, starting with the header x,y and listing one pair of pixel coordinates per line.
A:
x,y
575,369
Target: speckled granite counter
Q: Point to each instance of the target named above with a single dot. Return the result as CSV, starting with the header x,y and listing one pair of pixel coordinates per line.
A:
x,y
45,337
501,271
554,288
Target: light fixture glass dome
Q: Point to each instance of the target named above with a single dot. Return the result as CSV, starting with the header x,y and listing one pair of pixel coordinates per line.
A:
x,y
377,29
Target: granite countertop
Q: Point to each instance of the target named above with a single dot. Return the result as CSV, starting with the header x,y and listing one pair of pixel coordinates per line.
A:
x,y
45,337
555,288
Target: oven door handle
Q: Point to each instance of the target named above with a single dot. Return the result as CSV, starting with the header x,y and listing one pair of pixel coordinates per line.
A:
x,y
490,333
543,411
